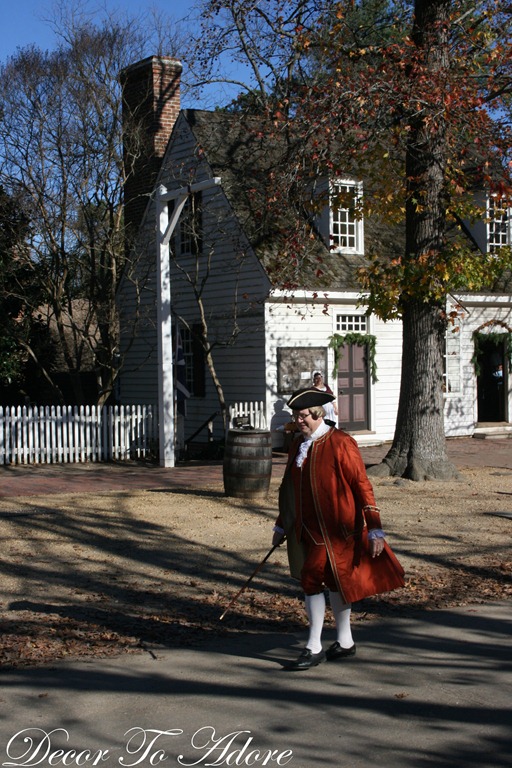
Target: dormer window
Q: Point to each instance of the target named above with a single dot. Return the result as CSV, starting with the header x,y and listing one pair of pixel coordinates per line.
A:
x,y
346,222
498,222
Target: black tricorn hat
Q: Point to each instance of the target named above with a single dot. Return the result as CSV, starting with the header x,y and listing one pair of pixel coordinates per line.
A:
x,y
308,398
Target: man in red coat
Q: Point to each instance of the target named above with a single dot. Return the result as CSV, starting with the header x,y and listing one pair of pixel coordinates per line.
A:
x,y
333,530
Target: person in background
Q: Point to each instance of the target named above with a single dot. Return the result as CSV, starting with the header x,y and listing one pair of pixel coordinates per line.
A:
x,y
331,409
497,368
332,527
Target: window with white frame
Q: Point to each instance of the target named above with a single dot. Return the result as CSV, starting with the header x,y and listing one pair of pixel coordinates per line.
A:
x,y
452,380
351,323
498,222
346,222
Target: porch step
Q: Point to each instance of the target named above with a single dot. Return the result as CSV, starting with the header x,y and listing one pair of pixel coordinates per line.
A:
x,y
366,439
498,432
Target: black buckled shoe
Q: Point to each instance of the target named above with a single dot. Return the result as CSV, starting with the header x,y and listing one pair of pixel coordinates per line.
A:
x,y
336,652
306,660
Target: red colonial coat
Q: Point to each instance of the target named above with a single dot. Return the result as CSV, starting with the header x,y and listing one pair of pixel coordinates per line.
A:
x,y
334,478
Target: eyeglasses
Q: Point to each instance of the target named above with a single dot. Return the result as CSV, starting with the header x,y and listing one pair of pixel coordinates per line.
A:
x,y
301,416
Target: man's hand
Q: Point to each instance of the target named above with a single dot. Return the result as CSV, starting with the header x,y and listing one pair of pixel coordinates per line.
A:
x,y
376,547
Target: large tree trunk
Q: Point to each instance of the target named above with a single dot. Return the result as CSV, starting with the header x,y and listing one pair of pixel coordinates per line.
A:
x,y
418,451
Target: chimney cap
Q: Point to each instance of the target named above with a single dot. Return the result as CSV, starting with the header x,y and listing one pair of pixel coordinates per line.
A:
x,y
168,62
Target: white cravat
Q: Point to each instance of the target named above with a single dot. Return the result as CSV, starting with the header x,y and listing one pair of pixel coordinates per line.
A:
x,y
304,446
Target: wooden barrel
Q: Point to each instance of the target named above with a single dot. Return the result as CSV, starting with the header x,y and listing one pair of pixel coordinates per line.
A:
x,y
247,465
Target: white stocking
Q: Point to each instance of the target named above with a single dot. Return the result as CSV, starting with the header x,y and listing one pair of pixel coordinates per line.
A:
x,y
315,610
341,612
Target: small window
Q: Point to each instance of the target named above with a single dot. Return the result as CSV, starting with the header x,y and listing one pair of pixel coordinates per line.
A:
x,y
498,222
190,227
452,380
346,223
351,323
188,355
194,361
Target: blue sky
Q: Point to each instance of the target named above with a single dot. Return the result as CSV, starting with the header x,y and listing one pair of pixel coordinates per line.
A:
x,y
22,22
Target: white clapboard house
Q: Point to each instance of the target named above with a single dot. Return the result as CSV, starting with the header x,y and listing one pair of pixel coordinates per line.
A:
x,y
270,340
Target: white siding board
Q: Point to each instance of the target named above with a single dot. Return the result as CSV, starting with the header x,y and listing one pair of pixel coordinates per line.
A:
x,y
461,410
285,328
385,392
227,282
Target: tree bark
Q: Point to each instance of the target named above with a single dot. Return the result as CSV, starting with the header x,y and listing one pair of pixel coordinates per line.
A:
x,y
418,451
419,448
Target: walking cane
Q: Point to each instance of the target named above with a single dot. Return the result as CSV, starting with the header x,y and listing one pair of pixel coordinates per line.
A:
x,y
251,577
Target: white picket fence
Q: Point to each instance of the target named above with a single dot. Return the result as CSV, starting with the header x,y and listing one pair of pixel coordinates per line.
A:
x,y
70,434
253,411
73,434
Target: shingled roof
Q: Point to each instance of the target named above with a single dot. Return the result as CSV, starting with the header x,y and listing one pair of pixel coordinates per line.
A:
x,y
251,157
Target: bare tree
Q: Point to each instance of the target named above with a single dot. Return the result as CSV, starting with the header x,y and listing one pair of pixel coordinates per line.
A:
x,y
61,149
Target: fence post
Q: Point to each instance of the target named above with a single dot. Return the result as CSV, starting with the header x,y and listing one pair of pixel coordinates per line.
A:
x,y
36,421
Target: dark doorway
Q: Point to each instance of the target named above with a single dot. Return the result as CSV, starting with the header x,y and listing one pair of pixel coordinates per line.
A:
x,y
353,388
492,381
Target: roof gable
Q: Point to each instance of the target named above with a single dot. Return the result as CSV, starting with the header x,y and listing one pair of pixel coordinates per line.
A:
x,y
249,157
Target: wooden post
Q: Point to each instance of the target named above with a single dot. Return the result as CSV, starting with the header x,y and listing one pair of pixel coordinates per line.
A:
x,y
165,229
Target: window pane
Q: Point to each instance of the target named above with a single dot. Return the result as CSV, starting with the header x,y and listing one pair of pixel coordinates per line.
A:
x,y
188,354
498,222
451,376
355,323
190,226
345,226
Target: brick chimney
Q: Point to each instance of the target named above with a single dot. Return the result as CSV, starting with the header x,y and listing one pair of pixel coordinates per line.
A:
x,y
151,103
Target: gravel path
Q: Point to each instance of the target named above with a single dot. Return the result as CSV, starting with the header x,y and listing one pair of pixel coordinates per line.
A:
x,y
102,572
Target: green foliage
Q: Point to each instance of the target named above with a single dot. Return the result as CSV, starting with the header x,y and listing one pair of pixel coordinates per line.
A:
x,y
430,277
11,357
496,337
